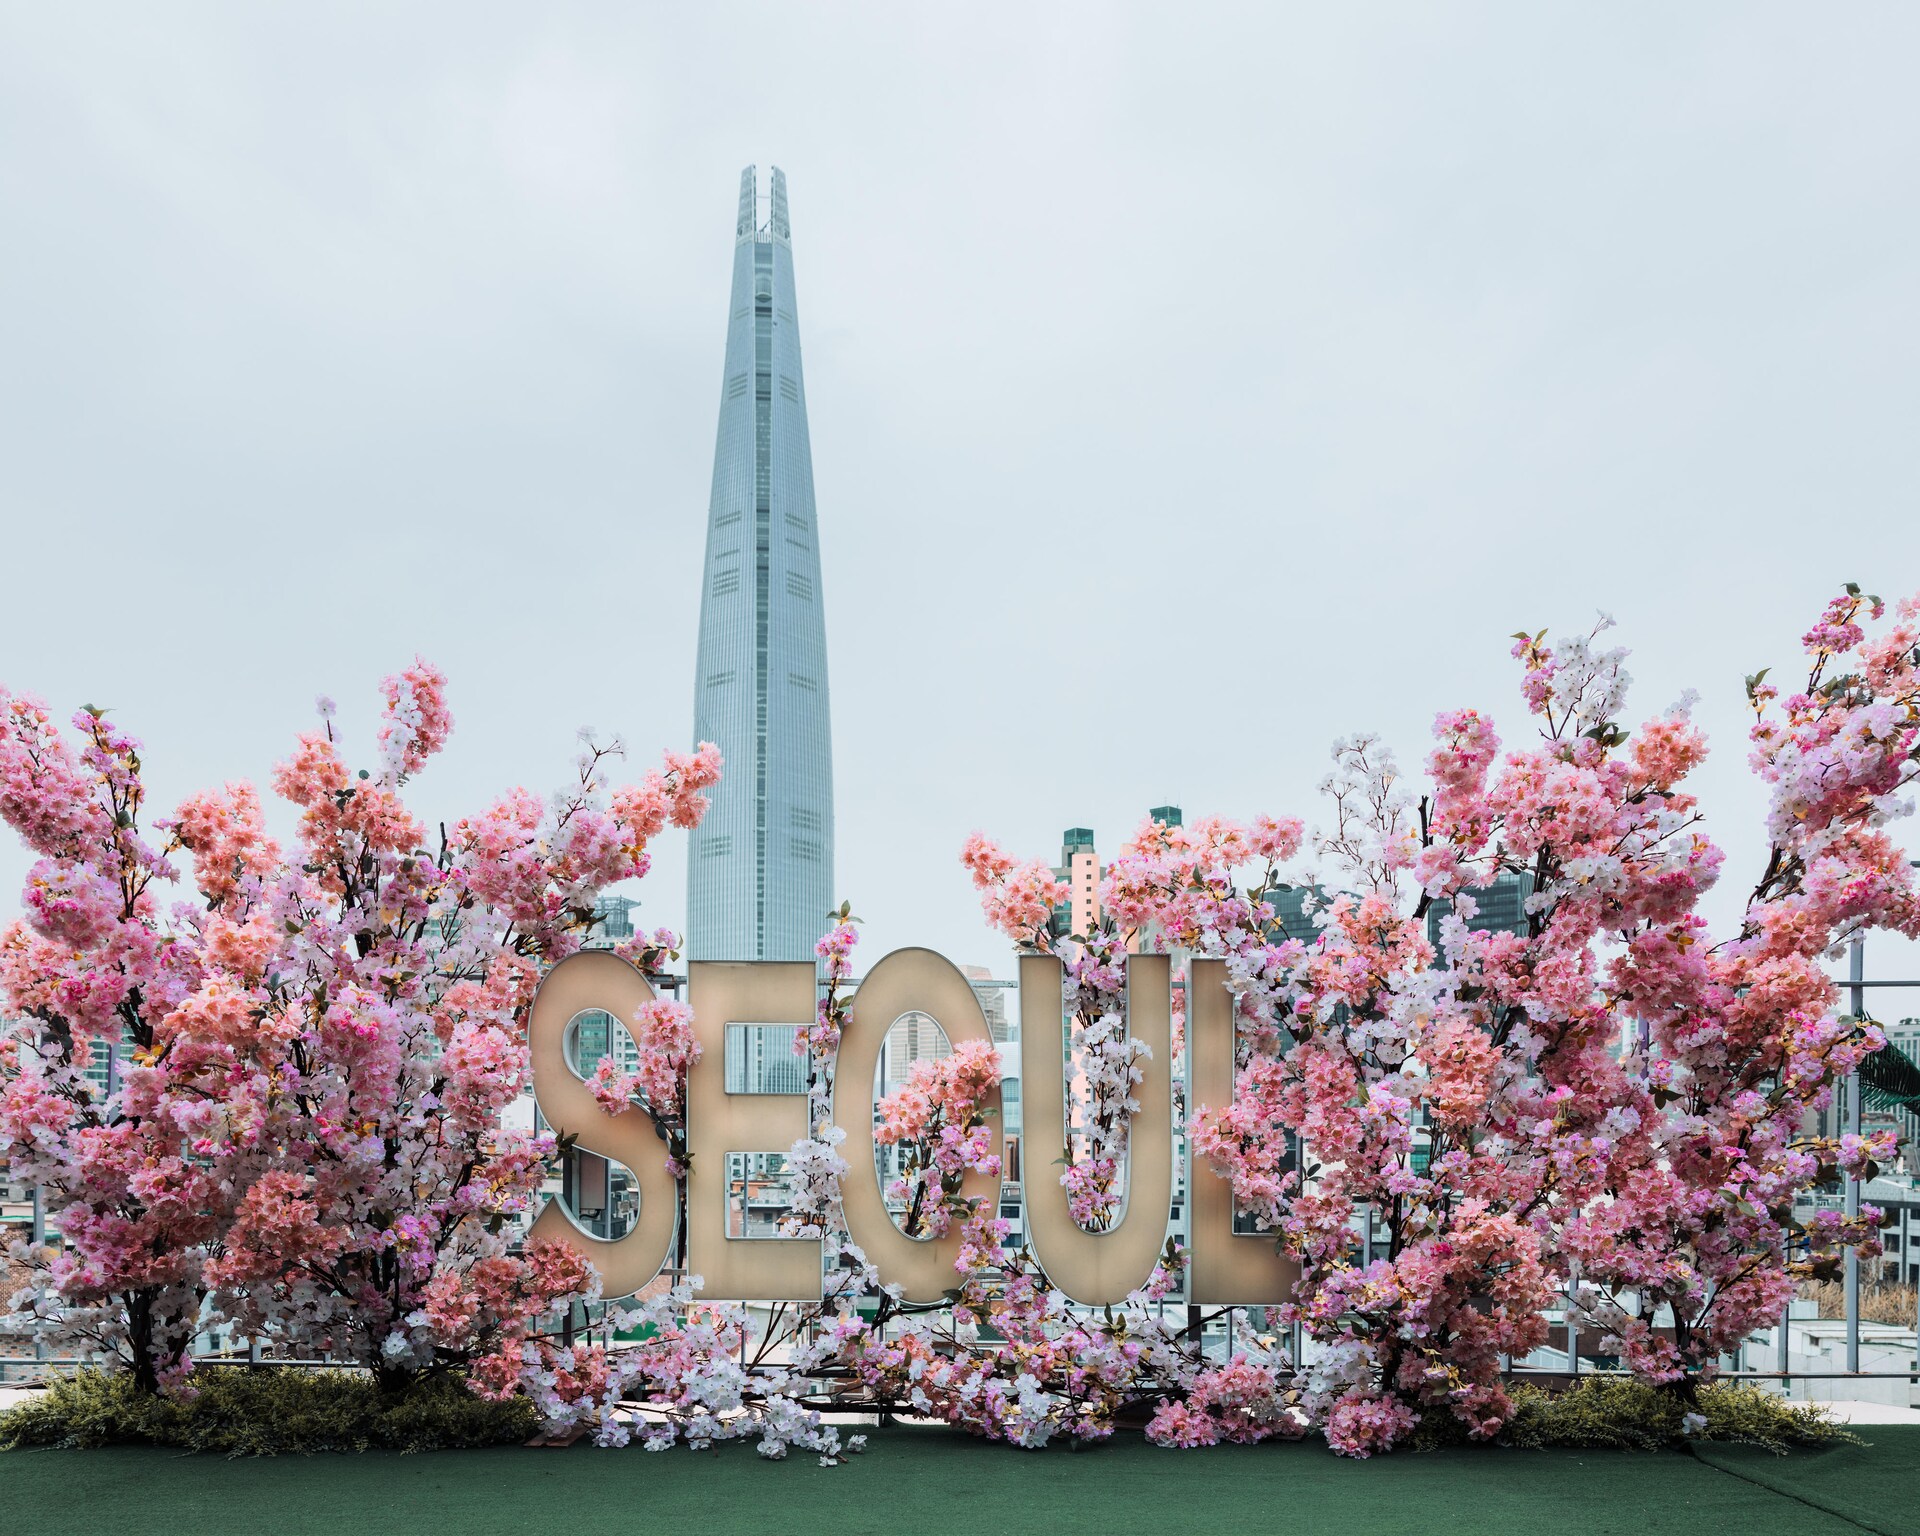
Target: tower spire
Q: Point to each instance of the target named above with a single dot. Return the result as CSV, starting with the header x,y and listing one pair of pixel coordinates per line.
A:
x,y
743,228
781,231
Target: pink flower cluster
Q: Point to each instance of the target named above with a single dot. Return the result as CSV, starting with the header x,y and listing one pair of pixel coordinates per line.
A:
x,y
936,1118
667,1051
1018,898
1242,1401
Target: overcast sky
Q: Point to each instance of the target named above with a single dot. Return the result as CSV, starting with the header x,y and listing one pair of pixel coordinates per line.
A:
x,y
1185,393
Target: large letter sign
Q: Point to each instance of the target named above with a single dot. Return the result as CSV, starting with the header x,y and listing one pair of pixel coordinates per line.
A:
x,y
584,983
727,992
1093,1269
1225,1268
908,980
1096,1268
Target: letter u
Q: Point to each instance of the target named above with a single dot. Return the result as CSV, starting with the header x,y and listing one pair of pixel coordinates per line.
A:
x,y
1096,1268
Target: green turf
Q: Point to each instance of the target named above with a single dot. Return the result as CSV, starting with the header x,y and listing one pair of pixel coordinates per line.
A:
x,y
1877,1486
916,1482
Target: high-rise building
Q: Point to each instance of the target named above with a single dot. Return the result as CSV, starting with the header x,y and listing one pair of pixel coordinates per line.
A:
x,y
1080,868
1296,911
760,872
912,1038
612,921
1501,907
993,1001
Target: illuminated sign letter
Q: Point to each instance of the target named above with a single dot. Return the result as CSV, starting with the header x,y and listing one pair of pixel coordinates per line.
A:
x,y
583,983
1227,1269
907,981
725,992
1096,1269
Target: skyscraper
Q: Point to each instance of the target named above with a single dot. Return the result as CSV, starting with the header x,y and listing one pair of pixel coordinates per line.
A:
x,y
760,875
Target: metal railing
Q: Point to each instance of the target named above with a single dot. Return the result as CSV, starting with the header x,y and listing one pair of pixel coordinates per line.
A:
x,y
1857,985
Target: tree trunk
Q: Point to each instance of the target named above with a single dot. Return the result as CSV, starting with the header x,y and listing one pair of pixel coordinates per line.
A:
x,y
146,1377
153,1350
1687,1390
394,1381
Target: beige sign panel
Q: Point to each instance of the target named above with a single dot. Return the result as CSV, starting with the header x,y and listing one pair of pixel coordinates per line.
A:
x,y
906,981
1225,1269
580,984
1092,1268
1096,1269
725,992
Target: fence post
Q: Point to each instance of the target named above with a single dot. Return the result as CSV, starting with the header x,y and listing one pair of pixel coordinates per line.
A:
x,y
39,1233
1783,1356
1856,973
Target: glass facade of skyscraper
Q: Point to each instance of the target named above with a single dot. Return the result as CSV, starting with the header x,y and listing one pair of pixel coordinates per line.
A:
x,y
760,874
1297,912
1501,907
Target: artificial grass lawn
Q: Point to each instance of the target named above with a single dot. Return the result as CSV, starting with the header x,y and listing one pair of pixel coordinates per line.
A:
x,y
1877,1485
917,1482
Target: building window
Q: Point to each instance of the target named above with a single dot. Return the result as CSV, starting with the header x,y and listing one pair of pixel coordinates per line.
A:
x,y
760,1058
759,1194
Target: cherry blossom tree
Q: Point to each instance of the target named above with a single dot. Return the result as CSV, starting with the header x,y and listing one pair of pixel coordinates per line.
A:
x,y
305,1140
1607,1108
